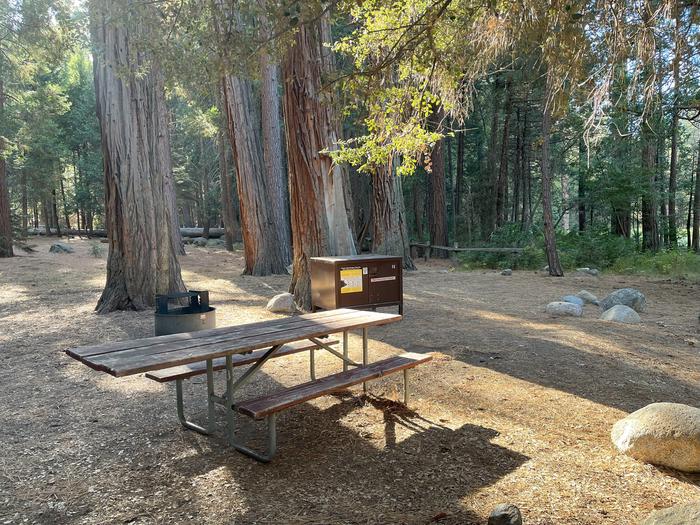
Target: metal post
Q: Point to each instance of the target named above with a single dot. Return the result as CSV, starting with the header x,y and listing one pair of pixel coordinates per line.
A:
x,y
229,397
345,351
364,354
181,412
312,364
210,395
406,390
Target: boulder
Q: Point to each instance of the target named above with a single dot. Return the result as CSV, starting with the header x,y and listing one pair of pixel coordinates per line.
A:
x,y
573,299
628,296
215,242
681,514
282,303
588,297
561,308
199,241
666,434
505,514
507,271
59,247
588,271
621,314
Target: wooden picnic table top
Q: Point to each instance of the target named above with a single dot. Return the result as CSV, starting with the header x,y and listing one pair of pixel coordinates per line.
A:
x,y
124,358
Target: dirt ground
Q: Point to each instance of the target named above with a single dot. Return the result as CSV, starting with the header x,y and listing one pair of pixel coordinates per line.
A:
x,y
515,407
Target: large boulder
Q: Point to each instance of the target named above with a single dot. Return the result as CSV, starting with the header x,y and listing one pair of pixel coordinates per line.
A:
x,y
505,514
507,271
588,297
621,314
681,514
199,241
628,296
573,299
282,303
666,434
562,308
59,247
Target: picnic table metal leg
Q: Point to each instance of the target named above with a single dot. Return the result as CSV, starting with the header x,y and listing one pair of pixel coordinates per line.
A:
x,y
181,412
312,364
406,390
345,351
364,354
271,443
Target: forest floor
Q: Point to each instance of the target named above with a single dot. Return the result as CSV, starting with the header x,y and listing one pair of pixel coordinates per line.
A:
x,y
515,407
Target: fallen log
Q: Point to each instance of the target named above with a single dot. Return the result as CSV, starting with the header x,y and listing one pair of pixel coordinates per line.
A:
x,y
214,233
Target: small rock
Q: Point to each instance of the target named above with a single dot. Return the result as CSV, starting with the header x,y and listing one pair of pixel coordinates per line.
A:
x,y
691,342
199,241
588,297
628,296
666,434
621,314
215,242
545,269
588,271
282,303
507,271
561,308
681,514
59,247
505,514
573,299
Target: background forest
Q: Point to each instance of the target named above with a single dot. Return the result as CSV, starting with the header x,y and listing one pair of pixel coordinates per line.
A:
x,y
566,128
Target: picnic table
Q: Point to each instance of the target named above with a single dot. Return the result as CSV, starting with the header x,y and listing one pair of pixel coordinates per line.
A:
x,y
181,356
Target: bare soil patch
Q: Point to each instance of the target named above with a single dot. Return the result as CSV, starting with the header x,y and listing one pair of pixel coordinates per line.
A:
x,y
516,407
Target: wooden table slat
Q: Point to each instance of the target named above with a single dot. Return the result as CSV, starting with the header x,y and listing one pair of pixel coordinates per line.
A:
x,y
91,350
175,352
271,327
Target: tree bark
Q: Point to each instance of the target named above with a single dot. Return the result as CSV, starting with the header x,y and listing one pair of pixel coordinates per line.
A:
x,y
319,216
696,207
264,249
650,232
389,231
5,212
231,226
142,260
271,116
25,204
673,169
437,212
460,173
502,180
550,239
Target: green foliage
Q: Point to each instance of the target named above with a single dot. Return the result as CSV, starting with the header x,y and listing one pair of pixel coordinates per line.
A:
x,y
96,250
679,264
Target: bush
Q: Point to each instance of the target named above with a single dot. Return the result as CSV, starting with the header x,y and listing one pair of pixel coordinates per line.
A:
x,y
679,264
96,250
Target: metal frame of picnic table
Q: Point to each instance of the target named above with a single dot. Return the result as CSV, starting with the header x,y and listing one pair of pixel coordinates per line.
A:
x,y
233,385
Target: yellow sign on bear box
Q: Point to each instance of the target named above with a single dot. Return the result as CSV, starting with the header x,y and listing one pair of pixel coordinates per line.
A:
x,y
351,280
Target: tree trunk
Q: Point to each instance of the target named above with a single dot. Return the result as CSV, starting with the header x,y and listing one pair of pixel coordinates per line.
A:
x,y
319,216
502,181
581,186
673,170
271,116
550,239
460,173
650,232
231,226
389,232
696,207
5,211
526,216
142,260
54,212
437,212
25,206
419,205
66,213
490,190
264,250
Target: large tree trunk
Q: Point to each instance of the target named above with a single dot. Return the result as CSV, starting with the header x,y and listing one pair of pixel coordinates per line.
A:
x,y
271,116
389,232
650,231
264,248
5,213
142,259
319,216
550,239
502,180
437,212
25,203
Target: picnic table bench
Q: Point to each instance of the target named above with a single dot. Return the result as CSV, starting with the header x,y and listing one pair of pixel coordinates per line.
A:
x,y
182,356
